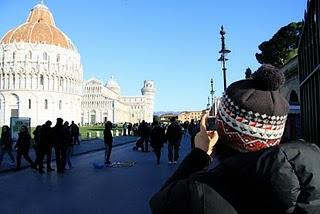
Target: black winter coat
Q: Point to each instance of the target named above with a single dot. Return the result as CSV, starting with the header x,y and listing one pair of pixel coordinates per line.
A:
x,y
281,179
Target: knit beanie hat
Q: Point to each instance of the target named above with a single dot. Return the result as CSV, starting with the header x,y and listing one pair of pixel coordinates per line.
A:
x,y
252,112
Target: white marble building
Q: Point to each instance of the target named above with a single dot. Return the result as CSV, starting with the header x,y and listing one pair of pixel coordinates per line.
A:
x,y
41,77
105,102
40,71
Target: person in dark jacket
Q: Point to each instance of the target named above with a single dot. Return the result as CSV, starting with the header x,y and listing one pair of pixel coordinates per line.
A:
x,y
60,138
69,145
23,146
6,144
38,149
143,131
173,136
108,140
46,142
247,168
157,137
75,133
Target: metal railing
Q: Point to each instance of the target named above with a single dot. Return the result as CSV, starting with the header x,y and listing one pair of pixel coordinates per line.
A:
x,y
309,73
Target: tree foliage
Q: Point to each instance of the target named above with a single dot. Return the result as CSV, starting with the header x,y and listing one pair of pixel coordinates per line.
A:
x,y
282,46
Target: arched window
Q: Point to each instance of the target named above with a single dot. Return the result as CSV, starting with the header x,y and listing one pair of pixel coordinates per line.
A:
x,y
30,55
29,103
60,104
61,81
13,80
45,56
58,58
46,104
41,79
14,55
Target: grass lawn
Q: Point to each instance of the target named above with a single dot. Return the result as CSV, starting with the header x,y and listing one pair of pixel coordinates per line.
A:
x,y
87,132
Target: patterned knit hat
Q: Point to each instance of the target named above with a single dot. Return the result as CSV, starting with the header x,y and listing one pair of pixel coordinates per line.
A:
x,y
252,113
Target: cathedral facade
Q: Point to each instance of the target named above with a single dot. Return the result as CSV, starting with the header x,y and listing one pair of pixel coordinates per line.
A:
x,y
41,77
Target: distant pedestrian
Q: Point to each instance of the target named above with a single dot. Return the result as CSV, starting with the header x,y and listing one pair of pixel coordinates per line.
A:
x,y
157,139
69,145
59,134
108,140
23,146
129,128
75,133
173,136
192,129
6,144
38,147
143,131
45,145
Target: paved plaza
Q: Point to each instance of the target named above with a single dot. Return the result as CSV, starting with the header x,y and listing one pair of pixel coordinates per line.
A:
x,y
85,189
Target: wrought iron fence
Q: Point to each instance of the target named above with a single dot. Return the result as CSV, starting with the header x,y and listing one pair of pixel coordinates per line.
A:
x,y
309,73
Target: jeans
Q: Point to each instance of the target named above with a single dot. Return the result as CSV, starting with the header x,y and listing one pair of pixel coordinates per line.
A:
x,y
9,151
173,151
107,153
69,152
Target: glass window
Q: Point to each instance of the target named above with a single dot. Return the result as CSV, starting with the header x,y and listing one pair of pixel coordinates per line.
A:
x,y
60,104
29,103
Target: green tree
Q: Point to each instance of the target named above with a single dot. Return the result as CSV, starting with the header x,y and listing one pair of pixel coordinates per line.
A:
x,y
282,46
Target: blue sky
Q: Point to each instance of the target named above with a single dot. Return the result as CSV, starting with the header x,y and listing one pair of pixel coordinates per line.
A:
x,y
173,42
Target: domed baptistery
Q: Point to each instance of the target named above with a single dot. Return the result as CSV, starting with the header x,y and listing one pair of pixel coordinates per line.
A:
x,y
40,72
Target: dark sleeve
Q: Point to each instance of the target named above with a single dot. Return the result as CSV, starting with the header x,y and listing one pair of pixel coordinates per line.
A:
x,y
196,161
292,172
189,197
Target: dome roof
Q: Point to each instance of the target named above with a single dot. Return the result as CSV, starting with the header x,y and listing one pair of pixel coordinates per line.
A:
x,y
39,28
112,83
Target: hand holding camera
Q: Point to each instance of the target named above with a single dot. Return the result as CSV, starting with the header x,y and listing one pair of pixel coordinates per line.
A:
x,y
206,140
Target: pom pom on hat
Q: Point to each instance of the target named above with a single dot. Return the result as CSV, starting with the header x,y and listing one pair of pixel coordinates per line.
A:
x,y
268,77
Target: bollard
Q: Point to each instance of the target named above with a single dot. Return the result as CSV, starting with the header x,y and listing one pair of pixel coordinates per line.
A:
x,y
117,132
90,136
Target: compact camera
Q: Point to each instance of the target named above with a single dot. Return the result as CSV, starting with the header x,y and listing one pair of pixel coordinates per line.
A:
x,y
211,125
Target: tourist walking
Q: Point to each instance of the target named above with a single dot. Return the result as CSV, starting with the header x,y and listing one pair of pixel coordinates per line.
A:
x,y
6,144
108,140
173,136
157,139
250,171
46,144
59,133
75,133
192,132
69,145
143,131
38,147
23,146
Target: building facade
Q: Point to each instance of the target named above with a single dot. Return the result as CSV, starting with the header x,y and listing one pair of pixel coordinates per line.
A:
x,y
40,71
41,77
101,103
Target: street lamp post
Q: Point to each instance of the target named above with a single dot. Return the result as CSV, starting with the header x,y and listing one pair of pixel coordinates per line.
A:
x,y
208,104
223,58
212,98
